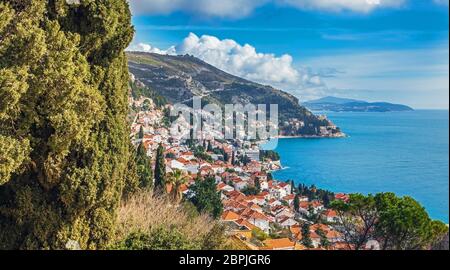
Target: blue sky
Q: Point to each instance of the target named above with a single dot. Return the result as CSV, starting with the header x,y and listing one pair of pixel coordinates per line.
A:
x,y
377,50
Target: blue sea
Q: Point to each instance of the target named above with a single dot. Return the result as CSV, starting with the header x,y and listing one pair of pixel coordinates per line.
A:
x,y
402,152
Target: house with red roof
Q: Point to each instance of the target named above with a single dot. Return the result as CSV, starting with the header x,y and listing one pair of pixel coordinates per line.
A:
x,y
257,219
279,244
230,216
342,197
330,216
289,199
224,187
286,222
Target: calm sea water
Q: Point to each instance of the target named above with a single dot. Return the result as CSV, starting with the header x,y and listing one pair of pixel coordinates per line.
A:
x,y
402,152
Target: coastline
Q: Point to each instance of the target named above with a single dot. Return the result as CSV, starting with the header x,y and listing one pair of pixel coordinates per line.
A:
x,y
365,148
338,136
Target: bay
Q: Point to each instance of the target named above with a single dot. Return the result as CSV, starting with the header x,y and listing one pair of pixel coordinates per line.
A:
x,y
402,152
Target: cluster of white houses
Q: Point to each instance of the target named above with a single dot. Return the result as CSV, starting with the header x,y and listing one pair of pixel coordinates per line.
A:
x,y
270,212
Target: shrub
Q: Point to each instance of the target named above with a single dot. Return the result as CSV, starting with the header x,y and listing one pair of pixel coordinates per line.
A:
x,y
149,221
159,239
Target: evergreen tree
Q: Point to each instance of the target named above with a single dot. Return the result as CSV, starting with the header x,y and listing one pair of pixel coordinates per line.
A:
x,y
160,171
326,200
206,198
226,157
63,108
257,185
398,223
292,186
324,242
132,180
141,133
306,236
144,168
210,148
297,203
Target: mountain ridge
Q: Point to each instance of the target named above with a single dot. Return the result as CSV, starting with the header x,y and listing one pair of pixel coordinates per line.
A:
x,y
336,104
180,78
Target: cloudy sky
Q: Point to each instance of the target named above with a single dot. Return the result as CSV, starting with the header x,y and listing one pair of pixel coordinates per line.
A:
x,y
377,50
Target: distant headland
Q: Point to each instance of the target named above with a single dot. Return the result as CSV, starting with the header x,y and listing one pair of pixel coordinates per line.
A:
x,y
336,104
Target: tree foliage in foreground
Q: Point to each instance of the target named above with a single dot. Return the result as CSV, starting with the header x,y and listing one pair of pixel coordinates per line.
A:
x,y
144,168
206,197
160,171
63,107
397,223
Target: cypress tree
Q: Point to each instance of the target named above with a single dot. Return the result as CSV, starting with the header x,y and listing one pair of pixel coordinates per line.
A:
x,y
144,168
132,180
257,185
297,203
160,171
292,186
63,108
306,236
141,133
210,148
226,157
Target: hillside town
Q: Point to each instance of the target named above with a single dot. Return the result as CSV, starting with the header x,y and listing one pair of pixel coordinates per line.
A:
x,y
260,212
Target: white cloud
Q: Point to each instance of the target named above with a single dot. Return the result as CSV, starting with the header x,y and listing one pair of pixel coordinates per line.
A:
x,y
242,8
419,77
143,47
240,60
243,61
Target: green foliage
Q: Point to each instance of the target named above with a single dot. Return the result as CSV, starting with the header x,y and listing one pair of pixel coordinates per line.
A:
x,y
314,193
144,168
13,154
159,239
250,190
215,239
139,90
209,148
189,209
132,180
171,238
244,159
257,185
160,171
399,223
199,152
177,178
259,234
358,218
141,133
439,238
206,198
63,108
269,154
297,203
306,236
403,223
324,242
